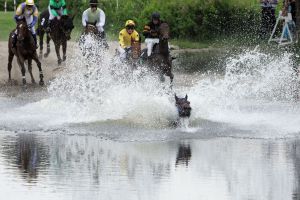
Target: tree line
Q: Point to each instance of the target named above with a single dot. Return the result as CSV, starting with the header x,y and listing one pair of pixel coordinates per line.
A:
x,y
199,19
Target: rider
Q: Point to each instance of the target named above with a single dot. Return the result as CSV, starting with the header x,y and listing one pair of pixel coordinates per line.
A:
x,y
57,8
151,32
29,11
126,36
95,16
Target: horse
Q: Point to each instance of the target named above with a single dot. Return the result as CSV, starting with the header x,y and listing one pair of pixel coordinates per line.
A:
x,y
160,60
60,32
91,40
25,50
183,107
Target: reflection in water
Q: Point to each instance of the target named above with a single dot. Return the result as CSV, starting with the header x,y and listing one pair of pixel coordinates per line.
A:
x,y
27,153
184,155
85,167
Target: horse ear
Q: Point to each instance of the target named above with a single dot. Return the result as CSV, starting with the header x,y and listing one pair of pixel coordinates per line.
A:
x,y
176,98
186,97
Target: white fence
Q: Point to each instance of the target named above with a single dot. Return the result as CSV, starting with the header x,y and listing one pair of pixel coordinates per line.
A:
x,y
5,6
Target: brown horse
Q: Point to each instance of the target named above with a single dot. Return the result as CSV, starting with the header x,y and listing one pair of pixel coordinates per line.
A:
x,y
160,60
183,106
60,32
25,50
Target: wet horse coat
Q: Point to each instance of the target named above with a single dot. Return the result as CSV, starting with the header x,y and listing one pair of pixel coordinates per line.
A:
x,y
25,50
160,60
60,33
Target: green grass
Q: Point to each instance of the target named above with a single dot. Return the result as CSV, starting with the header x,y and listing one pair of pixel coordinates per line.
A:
x,y
7,24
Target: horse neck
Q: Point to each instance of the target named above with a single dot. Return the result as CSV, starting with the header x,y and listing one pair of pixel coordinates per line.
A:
x,y
28,41
164,47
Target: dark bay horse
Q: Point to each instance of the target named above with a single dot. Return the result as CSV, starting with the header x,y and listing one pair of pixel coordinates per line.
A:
x,y
183,106
60,32
161,60
25,50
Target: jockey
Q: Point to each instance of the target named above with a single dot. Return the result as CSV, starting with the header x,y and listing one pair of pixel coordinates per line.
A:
x,y
29,11
95,16
126,36
56,8
151,32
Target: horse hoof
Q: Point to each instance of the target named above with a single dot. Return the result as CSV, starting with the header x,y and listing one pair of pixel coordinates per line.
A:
x,y
64,58
33,82
42,83
59,62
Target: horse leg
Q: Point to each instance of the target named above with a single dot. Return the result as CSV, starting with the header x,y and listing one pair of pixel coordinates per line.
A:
x,y
64,48
41,37
48,46
36,59
9,66
21,61
30,70
57,48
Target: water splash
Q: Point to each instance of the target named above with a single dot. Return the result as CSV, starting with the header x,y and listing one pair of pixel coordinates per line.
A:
x,y
256,93
98,91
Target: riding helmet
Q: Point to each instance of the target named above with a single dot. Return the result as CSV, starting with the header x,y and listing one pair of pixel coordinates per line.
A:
x,y
29,2
93,1
129,23
155,15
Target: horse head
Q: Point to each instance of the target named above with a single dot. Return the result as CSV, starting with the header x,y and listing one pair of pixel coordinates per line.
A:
x,y
135,49
164,31
183,106
67,25
91,28
22,30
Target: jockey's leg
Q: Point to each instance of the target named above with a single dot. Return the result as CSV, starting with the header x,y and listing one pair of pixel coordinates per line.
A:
x,y
48,23
34,36
122,53
102,36
149,45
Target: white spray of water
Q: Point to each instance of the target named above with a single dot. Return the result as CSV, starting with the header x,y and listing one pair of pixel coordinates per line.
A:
x,y
255,93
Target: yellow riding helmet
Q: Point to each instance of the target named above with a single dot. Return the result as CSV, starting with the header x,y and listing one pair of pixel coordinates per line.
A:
x,y
29,2
129,23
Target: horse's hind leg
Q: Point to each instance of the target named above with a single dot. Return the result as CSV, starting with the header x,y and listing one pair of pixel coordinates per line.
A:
x,y
9,65
64,48
48,46
36,59
30,70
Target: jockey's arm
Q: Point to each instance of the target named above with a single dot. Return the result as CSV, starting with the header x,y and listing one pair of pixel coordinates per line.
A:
x,y
136,37
121,40
101,23
146,31
35,17
64,6
19,13
84,18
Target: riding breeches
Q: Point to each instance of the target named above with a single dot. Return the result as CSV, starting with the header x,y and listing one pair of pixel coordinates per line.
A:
x,y
122,52
51,16
150,42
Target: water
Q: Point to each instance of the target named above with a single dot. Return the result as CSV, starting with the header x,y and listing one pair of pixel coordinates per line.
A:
x,y
105,132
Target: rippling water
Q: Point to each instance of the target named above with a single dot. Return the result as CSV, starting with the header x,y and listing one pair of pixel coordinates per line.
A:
x,y
105,132
56,166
